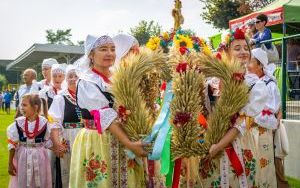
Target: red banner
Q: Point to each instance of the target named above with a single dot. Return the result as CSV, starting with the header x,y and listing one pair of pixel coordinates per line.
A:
x,y
275,16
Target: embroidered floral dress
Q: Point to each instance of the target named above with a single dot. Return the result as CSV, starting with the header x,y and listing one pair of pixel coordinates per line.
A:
x,y
66,117
266,122
31,158
97,159
220,173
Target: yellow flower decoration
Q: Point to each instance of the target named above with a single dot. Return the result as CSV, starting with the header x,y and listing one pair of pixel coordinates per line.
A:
x,y
227,39
206,50
166,36
153,43
183,40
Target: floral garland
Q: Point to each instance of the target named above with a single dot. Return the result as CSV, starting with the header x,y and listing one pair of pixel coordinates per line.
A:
x,y
183,40
229,36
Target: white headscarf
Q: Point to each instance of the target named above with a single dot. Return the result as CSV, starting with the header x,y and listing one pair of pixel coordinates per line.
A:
x,y
262,57
70,69
58,68
49,62
123,44
91,42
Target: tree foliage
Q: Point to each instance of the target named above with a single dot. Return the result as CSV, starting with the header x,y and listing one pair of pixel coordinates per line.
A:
x,y
59,36
3,81
220,12
144,30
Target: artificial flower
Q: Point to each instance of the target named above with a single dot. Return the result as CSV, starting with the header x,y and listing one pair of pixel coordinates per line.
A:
x,y
182,118
181,67
153,43
183,41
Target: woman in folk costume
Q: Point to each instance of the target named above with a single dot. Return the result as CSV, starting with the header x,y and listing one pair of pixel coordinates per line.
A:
x,y
57,78
96,160
65,124
46,71
237,165
266,121
29,138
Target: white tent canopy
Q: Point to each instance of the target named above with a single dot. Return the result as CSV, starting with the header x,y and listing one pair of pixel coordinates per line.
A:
x,y
34,56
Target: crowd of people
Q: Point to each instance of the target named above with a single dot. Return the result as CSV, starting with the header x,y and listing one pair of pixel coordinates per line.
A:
x,y
5,100
66,132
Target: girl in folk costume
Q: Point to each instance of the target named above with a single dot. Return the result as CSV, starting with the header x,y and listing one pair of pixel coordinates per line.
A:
x,y
96,160
57,77
46,71
237,165
66,123
266,121
29,138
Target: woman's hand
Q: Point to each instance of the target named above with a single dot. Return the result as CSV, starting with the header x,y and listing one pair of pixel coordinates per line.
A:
x,y
138,148
60,149
213,150
12,169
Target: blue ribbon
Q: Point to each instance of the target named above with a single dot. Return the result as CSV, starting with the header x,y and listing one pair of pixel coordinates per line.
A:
x,y
160,129
161,126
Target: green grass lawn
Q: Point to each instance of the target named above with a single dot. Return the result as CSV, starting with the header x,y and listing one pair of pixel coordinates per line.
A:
x,y
5,120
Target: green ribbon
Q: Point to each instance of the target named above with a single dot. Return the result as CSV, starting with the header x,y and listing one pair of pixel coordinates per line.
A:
x,y
167,165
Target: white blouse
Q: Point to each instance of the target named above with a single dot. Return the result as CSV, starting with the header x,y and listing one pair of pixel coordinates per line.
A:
x,y
50,90
273,104
13,135
258,96
57,110
24,89
42,84
90,97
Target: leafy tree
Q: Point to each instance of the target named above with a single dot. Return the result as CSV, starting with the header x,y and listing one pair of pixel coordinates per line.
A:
x,y
144,30
59,36
3,81
220,12
258,4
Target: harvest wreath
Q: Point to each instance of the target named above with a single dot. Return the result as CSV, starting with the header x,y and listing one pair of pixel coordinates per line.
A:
x,y
136,87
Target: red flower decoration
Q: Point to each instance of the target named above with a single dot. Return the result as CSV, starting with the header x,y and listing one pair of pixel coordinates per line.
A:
x,y
182,50
94,164
202,121
182,118
90,174
163,86
238,76
248,155
195,39
103,167
266,112
219,56
239,34
123,113
181,67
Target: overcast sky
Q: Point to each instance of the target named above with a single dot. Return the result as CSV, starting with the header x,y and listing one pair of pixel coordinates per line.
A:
x,y
23,22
